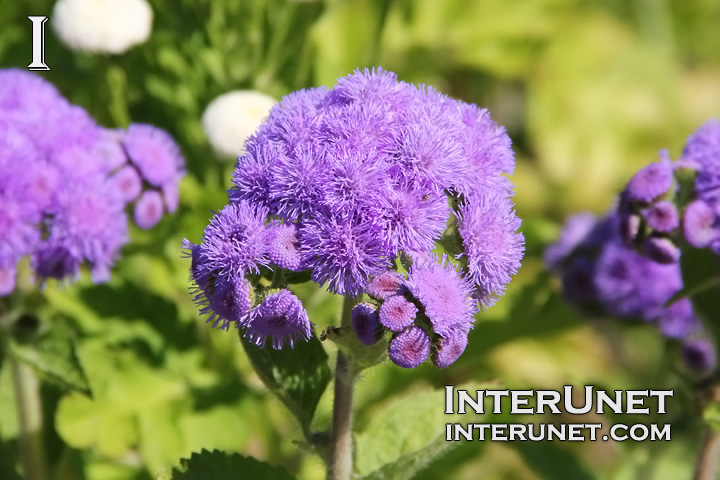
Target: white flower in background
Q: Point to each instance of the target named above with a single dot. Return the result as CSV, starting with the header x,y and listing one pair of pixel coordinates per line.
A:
x,y
232,117
102,26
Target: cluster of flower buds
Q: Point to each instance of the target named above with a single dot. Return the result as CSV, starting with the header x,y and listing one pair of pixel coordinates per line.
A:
x,y
668,204
338,186
602,276
428,312
66,182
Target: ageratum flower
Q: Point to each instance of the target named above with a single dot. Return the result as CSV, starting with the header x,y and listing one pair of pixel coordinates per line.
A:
x,y
65,185
352,182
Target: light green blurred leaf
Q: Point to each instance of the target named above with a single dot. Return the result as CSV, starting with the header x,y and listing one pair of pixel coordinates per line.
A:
x,y
124,389
52,353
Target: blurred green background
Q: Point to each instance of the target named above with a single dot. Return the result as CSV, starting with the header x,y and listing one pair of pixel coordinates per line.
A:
x,y
588,90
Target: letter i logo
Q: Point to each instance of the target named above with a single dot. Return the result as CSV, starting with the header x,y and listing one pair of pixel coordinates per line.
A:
x,y
38,42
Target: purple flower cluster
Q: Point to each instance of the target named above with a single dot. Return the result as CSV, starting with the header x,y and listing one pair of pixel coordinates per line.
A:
x,y
343,182
601,275
667,202
65,182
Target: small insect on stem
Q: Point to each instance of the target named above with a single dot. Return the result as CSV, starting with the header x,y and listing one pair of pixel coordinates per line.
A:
x,y
330,331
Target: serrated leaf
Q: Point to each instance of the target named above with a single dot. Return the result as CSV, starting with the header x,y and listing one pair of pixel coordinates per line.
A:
x,y
297,376
52,353
218,465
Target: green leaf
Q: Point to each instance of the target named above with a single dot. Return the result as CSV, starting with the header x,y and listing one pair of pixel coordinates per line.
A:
x,y
52,353
408,466
406,436
701,272
551,461
218,465
126,391
297,376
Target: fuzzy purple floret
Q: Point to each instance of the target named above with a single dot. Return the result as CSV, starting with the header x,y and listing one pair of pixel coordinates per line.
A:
x,y
409,348
149,209
396,313
449,347
284,247
281,319
386,284
493,248
228,301
446,297
342,253
662,217
650,181
235,242
700,224
366,324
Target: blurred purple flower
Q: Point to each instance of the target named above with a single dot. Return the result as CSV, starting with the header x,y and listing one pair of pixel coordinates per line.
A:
x,y
149,209
650,181
154,152
699,354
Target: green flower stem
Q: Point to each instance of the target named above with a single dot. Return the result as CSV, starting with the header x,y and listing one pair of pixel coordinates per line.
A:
x,y
340,466
29,405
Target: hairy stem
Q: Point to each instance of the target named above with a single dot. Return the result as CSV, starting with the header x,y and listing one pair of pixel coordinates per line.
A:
x,y
707,464
340,466
27,397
